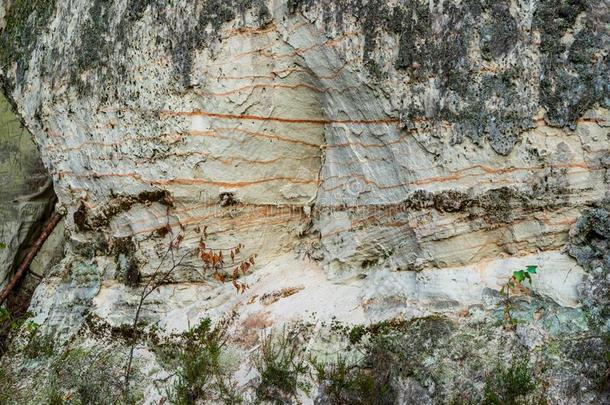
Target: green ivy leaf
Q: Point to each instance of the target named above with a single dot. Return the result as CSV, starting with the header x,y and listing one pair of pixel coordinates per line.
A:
x,y
532,269
519,275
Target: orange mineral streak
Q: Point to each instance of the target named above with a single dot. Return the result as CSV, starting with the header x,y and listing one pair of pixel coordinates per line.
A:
x,y
285,86
252,219
378,218
253,134
490,170
579,166
319,121
189,181
252,31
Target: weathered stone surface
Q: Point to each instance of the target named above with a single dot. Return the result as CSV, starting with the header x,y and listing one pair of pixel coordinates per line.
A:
x,y
590,246
382,158
51,252
27,193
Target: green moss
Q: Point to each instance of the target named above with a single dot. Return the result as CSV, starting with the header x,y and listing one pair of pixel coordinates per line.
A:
x,y
39,345
358,332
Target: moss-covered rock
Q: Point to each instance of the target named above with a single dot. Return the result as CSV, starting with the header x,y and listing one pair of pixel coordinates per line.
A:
x,y
24,23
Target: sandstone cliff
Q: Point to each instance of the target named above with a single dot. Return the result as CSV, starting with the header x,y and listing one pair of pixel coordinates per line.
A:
x,y
380,159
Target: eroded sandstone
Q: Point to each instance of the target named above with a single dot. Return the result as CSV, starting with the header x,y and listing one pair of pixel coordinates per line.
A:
x,y
381,158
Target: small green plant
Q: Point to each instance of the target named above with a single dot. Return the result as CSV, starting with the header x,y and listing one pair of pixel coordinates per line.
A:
x,y
5,315
12,326
201,374
281,365
38,344
213,260
515,282
89,376
52,392
347,382
356,334
9,393
509,386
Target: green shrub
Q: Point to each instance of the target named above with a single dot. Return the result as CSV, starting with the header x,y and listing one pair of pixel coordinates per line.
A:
x,y
90,376
38,344
281,366
201,374
8,387
351,383
509,386
52,393
515,281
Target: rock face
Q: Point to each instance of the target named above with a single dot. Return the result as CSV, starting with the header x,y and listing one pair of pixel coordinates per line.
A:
x,y
381,158
27,196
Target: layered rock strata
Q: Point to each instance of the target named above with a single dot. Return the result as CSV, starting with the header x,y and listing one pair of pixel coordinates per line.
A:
x,y
381,158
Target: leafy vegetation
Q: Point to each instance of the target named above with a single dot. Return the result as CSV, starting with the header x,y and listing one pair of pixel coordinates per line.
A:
x,y
88,376
509,386
213,260
385,352
38,344
201,374
12,325
347,382
80,375
515,282
281,365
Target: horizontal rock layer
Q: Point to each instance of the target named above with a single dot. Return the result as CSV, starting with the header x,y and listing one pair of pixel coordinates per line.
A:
x,y
376,159
438,140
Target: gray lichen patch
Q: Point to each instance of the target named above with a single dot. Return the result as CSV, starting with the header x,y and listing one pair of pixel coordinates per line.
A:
x,y
478,58
475,65
212,14
590,246
24,23
574,73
